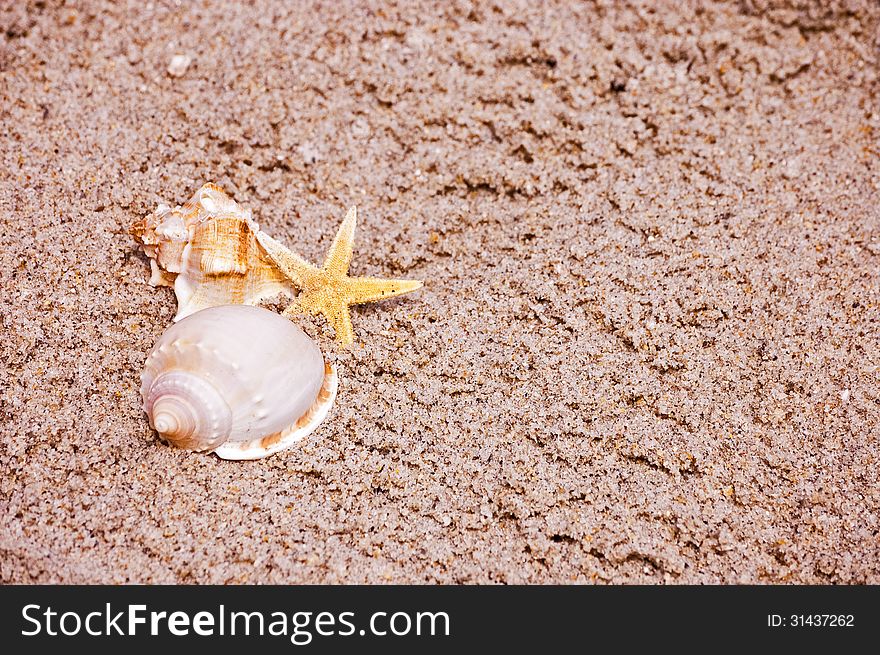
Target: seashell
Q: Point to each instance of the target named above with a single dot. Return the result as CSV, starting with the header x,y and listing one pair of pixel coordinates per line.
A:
x,y
240,381
208,252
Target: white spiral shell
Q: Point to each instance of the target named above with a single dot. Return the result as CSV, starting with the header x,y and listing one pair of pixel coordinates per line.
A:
x,y
237,380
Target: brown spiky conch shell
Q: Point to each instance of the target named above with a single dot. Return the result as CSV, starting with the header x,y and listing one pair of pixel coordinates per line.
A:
x,y
207,251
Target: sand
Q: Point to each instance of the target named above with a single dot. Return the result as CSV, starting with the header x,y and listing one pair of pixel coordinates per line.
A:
x,y
647,346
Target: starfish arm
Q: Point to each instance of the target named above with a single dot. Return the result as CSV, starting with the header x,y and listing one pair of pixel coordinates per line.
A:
x,y
294,267
340,319
339,256
369,289
333,309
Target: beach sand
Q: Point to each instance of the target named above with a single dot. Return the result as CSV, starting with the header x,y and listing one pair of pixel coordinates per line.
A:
x,y
646,350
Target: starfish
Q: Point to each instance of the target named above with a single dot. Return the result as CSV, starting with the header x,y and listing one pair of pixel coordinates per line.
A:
x,y
329,290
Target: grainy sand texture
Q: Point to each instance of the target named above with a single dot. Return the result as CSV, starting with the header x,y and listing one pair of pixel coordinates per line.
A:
x,y
647,345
